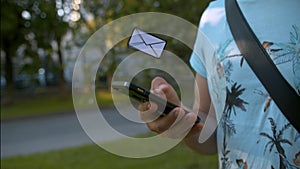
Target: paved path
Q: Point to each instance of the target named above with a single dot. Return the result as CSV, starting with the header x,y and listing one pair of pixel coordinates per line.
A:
x,y
38,134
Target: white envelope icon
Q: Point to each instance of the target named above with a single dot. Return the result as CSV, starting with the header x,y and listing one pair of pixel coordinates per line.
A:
x,y
147,43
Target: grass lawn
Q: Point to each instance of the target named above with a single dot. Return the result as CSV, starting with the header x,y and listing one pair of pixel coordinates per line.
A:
x,y
33,106
93,157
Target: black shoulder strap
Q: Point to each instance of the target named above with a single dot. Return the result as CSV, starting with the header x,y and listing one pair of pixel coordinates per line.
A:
x,y
262,65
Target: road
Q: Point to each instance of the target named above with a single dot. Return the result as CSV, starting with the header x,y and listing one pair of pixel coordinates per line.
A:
x,y
52,132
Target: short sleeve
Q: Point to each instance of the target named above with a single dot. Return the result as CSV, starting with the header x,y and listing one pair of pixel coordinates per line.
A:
x,y
197,64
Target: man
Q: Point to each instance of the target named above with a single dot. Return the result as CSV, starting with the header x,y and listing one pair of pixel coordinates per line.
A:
x,y
253,132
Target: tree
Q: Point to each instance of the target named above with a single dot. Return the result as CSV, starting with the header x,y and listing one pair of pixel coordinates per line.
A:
x,y
276,140
40,25
12,37
49,29
97,13
233,101
35,24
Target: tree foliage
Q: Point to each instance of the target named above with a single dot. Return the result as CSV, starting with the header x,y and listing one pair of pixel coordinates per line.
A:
x,y
33,31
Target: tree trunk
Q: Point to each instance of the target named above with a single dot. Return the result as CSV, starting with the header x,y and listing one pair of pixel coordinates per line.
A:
x,y
62,81
109,80
9,91
282,166
281,155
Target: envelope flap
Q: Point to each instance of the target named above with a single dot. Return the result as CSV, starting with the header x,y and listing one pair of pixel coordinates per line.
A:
x,y
147,43
148,39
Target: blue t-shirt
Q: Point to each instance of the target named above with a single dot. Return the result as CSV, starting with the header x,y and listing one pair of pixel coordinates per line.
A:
x,y
252,131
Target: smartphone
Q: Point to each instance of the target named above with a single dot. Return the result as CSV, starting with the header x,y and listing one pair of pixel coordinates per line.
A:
x,y
142,95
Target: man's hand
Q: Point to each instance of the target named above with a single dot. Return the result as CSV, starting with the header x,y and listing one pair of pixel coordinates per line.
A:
x,y
177,123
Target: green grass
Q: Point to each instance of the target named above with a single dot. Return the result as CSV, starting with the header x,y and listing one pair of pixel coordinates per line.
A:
x,y
35,106
104,99
93,157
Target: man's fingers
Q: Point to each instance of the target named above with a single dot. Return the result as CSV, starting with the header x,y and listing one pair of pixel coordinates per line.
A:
x,y
181,128
148,112
144,106
162,124
159,86
157,82
176,124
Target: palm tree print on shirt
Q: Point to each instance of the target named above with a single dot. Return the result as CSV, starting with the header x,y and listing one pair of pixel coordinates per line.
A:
x,y
289,52
276,140
233,101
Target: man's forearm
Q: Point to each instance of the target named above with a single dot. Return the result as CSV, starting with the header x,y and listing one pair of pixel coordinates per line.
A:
x,y
208,147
